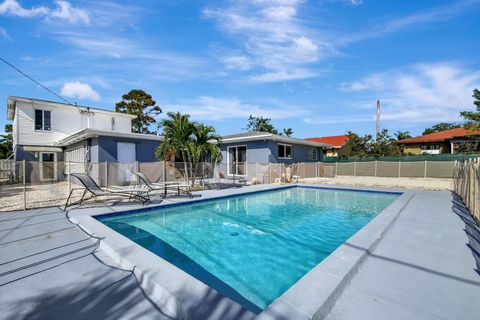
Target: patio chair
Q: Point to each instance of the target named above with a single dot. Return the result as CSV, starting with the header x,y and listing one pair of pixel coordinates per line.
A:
x,y
91,186
154,186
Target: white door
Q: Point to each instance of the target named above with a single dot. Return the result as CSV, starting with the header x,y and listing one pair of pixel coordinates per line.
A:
x,y
126,157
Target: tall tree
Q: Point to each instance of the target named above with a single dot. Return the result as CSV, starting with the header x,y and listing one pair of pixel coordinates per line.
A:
x,y
365,146
472,118
442,126
142,105
356,145
6,142
262,124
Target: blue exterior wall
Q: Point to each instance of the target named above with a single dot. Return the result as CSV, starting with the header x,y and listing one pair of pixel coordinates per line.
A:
x,y
264,151
105,149
257,151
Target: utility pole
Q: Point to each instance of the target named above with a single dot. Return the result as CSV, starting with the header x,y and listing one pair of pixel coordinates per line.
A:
x,y
377,122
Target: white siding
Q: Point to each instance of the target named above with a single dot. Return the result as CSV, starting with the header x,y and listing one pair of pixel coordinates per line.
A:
x,y
64,122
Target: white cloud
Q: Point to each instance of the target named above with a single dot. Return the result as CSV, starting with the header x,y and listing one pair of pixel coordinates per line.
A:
x,y
64,11
274,38
282,75
80,90
420,93
355,2
4,34
237,62
218,109
431,15
13,8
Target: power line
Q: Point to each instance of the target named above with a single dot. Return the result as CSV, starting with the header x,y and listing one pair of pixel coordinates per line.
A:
x,y
38,83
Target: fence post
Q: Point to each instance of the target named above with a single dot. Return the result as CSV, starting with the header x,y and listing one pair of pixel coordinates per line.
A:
x,y
375,168
68,177
24,187
256,171
106,173
425,170
354,168
316,169
137,168
399,168
270,172
336,168
164,171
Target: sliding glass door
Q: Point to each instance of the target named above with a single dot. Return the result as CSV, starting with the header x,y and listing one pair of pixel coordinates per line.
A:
x,y
237,160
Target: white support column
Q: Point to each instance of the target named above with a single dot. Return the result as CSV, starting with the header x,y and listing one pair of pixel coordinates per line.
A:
x,y
68,176
106,173
24,186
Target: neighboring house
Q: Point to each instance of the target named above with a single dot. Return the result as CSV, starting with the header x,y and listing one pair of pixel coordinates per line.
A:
x,y
51,132
264,147
337,143
458,140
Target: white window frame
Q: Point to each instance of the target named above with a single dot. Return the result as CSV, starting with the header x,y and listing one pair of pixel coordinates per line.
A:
x,y
308,153
43,120
228,161
285,151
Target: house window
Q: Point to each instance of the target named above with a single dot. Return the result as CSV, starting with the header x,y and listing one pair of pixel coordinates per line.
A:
x,y
113,123
284,151
42,120
312,154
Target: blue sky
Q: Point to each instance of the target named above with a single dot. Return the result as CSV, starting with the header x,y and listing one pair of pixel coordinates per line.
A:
x,y
316,66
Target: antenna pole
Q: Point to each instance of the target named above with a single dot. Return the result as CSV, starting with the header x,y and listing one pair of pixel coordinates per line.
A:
x,y
377,122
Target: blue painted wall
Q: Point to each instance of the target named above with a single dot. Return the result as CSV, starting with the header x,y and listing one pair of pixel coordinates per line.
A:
x,y
105,149
264,151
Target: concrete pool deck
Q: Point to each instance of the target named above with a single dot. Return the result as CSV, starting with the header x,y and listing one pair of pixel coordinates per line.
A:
x,y
425,267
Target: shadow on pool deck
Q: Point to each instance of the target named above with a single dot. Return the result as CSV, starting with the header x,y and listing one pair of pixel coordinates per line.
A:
x,y
471,228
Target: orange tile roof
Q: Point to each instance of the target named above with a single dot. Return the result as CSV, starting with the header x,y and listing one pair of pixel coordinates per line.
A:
x,y
335,141
441,136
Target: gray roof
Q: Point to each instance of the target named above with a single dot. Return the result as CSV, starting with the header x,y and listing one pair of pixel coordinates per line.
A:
x,y
258,135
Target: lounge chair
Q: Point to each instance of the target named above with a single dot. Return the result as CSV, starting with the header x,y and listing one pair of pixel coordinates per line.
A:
x,y
154,186
91,186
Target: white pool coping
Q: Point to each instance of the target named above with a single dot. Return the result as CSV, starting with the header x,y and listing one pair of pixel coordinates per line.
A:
x,y
182,296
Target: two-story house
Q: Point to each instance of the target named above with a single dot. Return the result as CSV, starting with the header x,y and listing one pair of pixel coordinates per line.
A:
x,y
47,131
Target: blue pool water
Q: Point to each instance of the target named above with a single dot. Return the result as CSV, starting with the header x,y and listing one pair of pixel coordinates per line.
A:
x,y
253,247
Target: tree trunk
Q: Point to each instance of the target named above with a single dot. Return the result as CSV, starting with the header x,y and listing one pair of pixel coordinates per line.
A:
x,y
185,166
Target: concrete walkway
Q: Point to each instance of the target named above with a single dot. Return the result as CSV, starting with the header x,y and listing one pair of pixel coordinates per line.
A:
x,y
50,269
426,267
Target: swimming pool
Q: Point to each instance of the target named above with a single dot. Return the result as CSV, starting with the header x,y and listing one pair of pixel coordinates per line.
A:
x,y
253,247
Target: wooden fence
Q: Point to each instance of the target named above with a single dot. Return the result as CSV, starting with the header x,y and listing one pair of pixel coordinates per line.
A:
x,y
466,185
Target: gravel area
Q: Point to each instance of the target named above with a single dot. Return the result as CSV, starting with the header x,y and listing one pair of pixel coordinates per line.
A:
x,y
405,183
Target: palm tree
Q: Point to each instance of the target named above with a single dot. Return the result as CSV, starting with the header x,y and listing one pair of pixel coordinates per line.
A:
x,y
177,133
402,135
203,147
191,141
